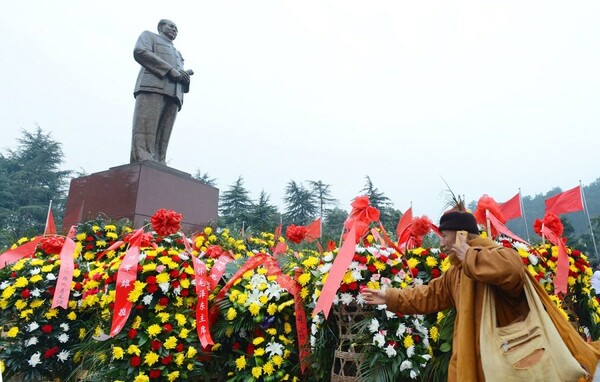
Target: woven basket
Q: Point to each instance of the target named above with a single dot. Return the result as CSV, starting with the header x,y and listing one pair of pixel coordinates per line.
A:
x,y
347,356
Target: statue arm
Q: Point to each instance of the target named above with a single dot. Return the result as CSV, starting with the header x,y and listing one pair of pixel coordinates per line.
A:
x,y
143,53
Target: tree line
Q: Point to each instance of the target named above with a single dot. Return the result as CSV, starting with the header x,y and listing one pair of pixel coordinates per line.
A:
x,y
31,176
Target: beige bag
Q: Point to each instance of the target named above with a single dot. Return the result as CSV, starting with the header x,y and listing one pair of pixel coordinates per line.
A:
x,y
529,350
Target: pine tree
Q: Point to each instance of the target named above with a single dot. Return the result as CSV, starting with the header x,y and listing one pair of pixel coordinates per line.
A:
x,y
301,205
205,178
263,216
322,193
234,206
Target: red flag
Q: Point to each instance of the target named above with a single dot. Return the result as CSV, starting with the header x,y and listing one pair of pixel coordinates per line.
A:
x,y
568,201
404,222
278,232
50,226
313,231
511,209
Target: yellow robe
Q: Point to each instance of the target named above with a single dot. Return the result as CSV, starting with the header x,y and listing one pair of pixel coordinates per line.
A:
x,y
486,262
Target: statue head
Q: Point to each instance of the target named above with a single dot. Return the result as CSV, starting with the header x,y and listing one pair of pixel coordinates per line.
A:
x,y
167,28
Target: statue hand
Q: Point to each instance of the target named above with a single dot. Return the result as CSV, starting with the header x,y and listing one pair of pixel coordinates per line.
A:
x,y
179,75
184,77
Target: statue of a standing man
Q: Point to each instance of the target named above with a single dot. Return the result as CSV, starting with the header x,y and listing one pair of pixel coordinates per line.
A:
x,y
158,92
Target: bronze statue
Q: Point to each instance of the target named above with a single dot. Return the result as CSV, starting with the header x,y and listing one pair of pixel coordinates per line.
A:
x,y
158,92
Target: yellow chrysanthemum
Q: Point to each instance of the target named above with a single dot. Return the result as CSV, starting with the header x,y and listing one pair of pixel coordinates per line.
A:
x,y
231,314
12,333
153,330
52,313
256,371
258,341
434,333
150,358
431,261
412,262
258,352
141,377
162,278
183,333
240,362
21,304
277,360
118,352
21,282
173,376
133,349
408,341
268,368
191,352
287,328
170,343
179,359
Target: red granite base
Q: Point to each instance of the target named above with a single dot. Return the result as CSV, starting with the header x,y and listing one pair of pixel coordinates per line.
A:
x,y
135,191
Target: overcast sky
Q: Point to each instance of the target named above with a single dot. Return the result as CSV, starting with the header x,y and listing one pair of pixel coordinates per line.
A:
x,y
492,96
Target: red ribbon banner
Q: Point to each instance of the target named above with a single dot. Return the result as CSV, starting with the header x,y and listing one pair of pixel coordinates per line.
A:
x,y
202,318
218,270
126,277
65,275
336,274
22,251
501,227
562,266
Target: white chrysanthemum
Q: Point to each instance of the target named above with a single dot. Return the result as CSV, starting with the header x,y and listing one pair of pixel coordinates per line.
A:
x,y
177,290
34,271
328,257
427,357
390,351
426,342
382,307
314,329
379,340
37,292
410,351
326,267
32,326
357,275
184,256
274,348
64,326
164,287
374,325
401,330
4,284
313,341
35,359
389,314
318,319
346,298
413,374
336,299
31,342
50,277
533,259
147,299
418,281
360,300
63,338
405,365
63,355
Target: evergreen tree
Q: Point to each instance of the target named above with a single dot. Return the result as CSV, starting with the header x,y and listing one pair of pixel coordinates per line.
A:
x,y
205,178
235,205
333,223
301,204
263,216
376,197
30,177
322,193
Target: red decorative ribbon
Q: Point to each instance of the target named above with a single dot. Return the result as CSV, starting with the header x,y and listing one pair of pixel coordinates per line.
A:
x,y
501,227
113,247
218,269
336,274
562,266
202,318
126,277
22,251
286,283
65,275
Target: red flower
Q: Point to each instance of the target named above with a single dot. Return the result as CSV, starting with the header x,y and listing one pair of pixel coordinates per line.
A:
x,y
52,244
154,373
50,352
435,273
135,361
163,301
184,292
47,328
168,328
296,233
131,333
420,226
414,271
214,251
151,288
25,294
486,202
146,239
166,360
180,347
362,215
151,279
552,222
155,345
174,273
166,222
250,349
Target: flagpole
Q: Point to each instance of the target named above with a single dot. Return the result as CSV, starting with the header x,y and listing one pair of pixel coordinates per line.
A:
x,y
48,214
523,214
587,213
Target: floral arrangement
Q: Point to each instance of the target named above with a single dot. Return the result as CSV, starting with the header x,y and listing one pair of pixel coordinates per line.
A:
x,y
39,340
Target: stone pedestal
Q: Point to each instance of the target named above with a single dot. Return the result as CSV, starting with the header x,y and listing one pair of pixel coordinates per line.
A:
x,y
135,191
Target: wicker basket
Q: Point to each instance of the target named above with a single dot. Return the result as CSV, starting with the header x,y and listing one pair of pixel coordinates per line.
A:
x,y
347,356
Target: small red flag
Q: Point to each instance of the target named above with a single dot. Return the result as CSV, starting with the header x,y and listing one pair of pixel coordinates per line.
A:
x,y
278,232
568,201
50,226
313,231
511,209
404,222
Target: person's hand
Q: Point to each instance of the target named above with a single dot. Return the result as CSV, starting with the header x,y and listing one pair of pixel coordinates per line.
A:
x,y
179,75
373,296
460,248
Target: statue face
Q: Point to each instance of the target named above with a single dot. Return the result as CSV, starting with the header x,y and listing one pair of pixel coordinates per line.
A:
x,y
169,30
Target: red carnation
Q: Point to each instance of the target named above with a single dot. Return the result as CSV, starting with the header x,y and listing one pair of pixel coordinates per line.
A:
x,y
250,349
180,347
151,279
131,333
184,292
486,202
174,273
163,301
155,345
50,352
166,360
151,288
47,328
135,361
154,374
296,233
168,328
214,251
52,244
25,294
166,222
435,273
